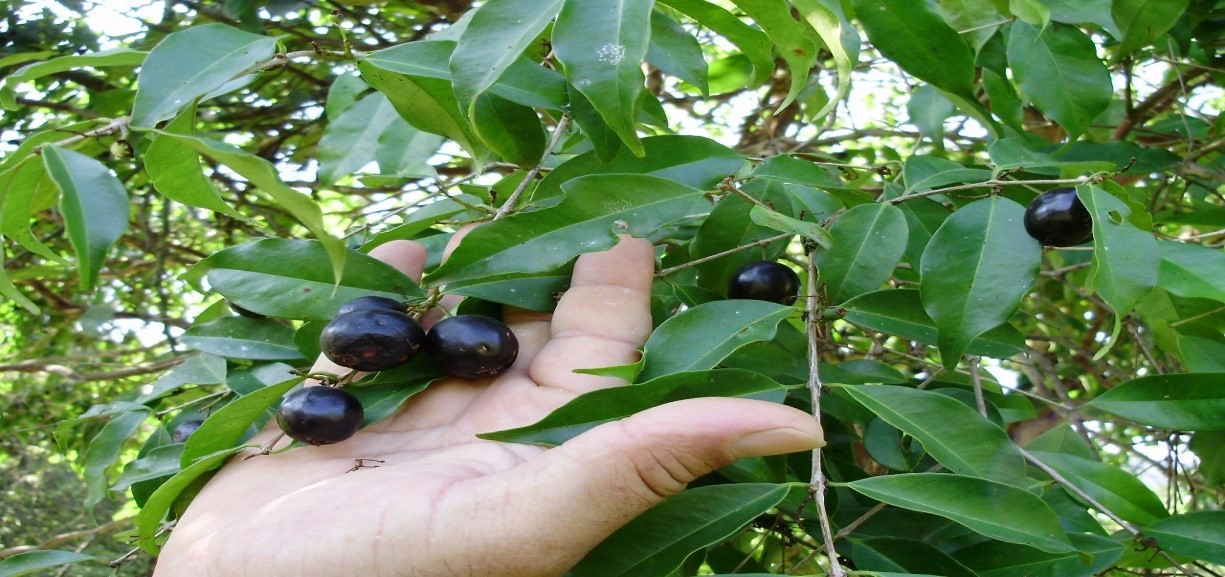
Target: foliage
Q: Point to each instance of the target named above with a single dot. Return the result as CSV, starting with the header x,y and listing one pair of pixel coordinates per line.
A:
x,y
993,407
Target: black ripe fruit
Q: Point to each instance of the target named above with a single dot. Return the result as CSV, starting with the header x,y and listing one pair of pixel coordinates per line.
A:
x,y
185,430
766,281
472,346
320,415
371,339
371,302
1058,218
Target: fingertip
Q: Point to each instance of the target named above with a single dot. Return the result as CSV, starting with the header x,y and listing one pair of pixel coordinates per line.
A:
x,y
406,256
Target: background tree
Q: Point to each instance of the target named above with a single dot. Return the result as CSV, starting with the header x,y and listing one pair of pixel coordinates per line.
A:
x,y
178,162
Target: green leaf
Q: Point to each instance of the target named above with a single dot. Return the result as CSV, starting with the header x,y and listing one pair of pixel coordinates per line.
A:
x,y
780,222
1210,448
753,43
352,139
1201,355
537,292
1144,22
426,103
1186,402
1125,259
1058,69
263,175
94,205
976,269
600,45
658,541
191,63
975,503
224,429
104,451
790,37
160,462
199,369
594,211
511,130
941,423
1117,490
690,160
869,242
920,42
922,173
177,173
31,561
841,40
1191,270
243,338
1034,12
601,406
149,520
900,312
975,20
1199,535
928,109
20,188
1000,559
701,337
676,52
907,556
496,36
524,82
114,57
730,225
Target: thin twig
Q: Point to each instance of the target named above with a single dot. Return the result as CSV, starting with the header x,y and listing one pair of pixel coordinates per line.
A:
x,y
989,184
510,203
718,255
977,379
817,483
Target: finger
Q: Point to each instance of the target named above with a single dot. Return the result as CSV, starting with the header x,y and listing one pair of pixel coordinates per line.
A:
x,y
598,481
447,302
601,320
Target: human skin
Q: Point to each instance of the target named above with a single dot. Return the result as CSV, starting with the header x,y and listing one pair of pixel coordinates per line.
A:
x,y
444,503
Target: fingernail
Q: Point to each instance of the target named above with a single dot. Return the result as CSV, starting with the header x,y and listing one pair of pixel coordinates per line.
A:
x,y
776,442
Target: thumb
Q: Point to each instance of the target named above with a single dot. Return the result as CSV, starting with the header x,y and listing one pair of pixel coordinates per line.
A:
x,y
601,479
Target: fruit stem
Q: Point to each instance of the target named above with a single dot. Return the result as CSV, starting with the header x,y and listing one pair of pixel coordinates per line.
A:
x,y
510,203
266,448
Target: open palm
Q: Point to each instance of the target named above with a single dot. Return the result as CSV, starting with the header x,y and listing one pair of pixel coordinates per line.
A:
x,y
442,502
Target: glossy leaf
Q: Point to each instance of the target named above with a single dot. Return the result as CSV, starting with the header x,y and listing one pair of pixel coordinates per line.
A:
x,y
1181,402
919,41
976,269
192,63
700,337
31,561
604,405
975,503
254,276
1116,489
594,211
1144,22
690,160
1199,535
225,428
264,176
201,369
243,338
869,242
160,462
940,423
537,292
1191,270
600,45
791,40
922,173
1125,259
94,205
841,40
658,541
780,222
496,36
900,312
510,130
1000,559
104,451
352,139
120,56
20,187
1058,68
1202,355
177,173
906,557
676,52
730,225
149,520
426,103
752,42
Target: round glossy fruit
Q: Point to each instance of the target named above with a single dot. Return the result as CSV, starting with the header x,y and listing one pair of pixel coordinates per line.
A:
x,y
185,430
320,415
371,302
371,339
1058,218
472,346
766,281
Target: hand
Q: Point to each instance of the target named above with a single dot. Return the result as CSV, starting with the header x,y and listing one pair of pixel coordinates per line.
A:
x,y
443,502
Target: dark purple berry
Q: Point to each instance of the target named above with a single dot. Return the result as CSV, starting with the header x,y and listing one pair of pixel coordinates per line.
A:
x,y
472,346
766,281
320,415
371,339
1058,218
371,302
185,430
